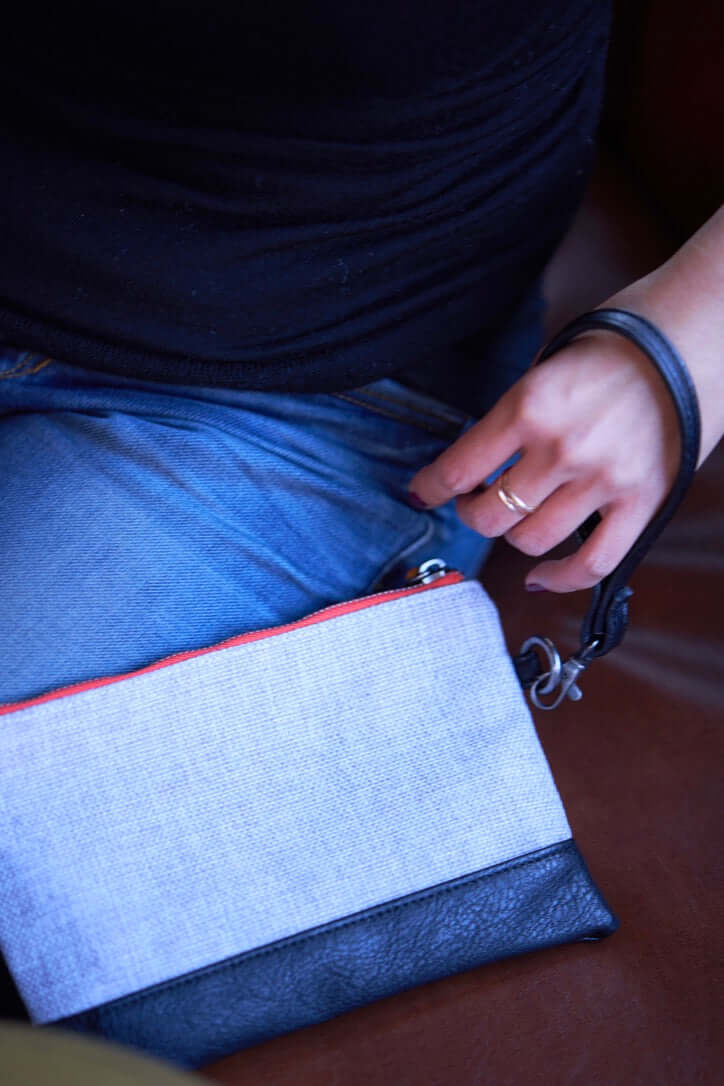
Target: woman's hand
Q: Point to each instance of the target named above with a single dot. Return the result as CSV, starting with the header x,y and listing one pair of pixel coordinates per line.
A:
x,y
596,430
595,427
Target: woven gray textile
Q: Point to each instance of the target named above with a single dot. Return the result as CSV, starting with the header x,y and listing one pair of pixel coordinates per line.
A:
x,y
170,820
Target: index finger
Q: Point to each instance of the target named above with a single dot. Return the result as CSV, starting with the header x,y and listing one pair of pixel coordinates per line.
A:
x,y
471,459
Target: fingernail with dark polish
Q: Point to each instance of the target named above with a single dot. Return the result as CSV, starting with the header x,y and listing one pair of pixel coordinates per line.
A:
x,y
415,501
533,587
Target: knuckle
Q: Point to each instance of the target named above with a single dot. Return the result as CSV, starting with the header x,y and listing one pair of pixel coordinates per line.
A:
x,y
562,446
528,407
565,451
595,566
450,476
481,520
614,477
528,541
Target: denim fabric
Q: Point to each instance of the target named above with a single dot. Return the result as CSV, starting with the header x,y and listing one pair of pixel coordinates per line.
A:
x,y
140,519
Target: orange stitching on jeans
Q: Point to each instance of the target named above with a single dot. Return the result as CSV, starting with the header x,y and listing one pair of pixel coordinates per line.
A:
x,y
18,371
41,365
18,366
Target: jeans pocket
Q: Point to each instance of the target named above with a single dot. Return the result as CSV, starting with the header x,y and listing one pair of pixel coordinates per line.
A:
x,y
393,400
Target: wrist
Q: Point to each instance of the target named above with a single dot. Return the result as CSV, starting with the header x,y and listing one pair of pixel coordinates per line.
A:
x,y
693,320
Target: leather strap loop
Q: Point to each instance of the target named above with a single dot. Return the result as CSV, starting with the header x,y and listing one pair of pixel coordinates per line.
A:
x,y
605,623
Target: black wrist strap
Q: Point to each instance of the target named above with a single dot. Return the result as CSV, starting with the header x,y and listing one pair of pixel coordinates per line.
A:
x,y
605,622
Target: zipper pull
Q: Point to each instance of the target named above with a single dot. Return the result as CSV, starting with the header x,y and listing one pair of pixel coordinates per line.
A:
x,y
428,571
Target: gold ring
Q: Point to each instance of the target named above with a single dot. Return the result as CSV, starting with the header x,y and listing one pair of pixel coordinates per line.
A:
x,y
512,501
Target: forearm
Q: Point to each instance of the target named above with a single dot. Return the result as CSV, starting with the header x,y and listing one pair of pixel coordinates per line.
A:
x,y
684,297
596,428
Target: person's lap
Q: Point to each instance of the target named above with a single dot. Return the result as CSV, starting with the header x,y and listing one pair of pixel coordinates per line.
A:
x,y
141,519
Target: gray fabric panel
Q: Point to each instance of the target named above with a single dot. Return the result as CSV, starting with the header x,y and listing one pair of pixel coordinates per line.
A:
x,y
173,819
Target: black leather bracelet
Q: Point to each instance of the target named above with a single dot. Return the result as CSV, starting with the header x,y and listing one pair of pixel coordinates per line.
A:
x,y
605,623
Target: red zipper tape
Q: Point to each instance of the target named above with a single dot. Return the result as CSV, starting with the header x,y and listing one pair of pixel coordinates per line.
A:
x,y
333,611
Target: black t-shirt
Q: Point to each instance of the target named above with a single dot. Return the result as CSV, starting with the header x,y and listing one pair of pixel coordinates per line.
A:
x,y
286,196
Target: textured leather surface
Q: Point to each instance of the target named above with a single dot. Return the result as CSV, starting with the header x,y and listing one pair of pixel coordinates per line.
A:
x,y
540,900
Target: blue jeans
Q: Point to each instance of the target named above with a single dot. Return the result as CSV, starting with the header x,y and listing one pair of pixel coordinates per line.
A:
x,y
140,519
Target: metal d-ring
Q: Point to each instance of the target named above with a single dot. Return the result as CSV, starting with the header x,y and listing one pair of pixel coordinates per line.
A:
x,y
548,681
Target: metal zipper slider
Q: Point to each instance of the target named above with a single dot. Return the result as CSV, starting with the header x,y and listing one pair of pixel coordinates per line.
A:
x,y
428,571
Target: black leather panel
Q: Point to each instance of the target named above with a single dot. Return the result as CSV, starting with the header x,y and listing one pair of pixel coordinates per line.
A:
x,y
539,900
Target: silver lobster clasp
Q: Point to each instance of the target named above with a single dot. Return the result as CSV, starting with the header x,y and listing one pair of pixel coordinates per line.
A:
x,y
560,677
